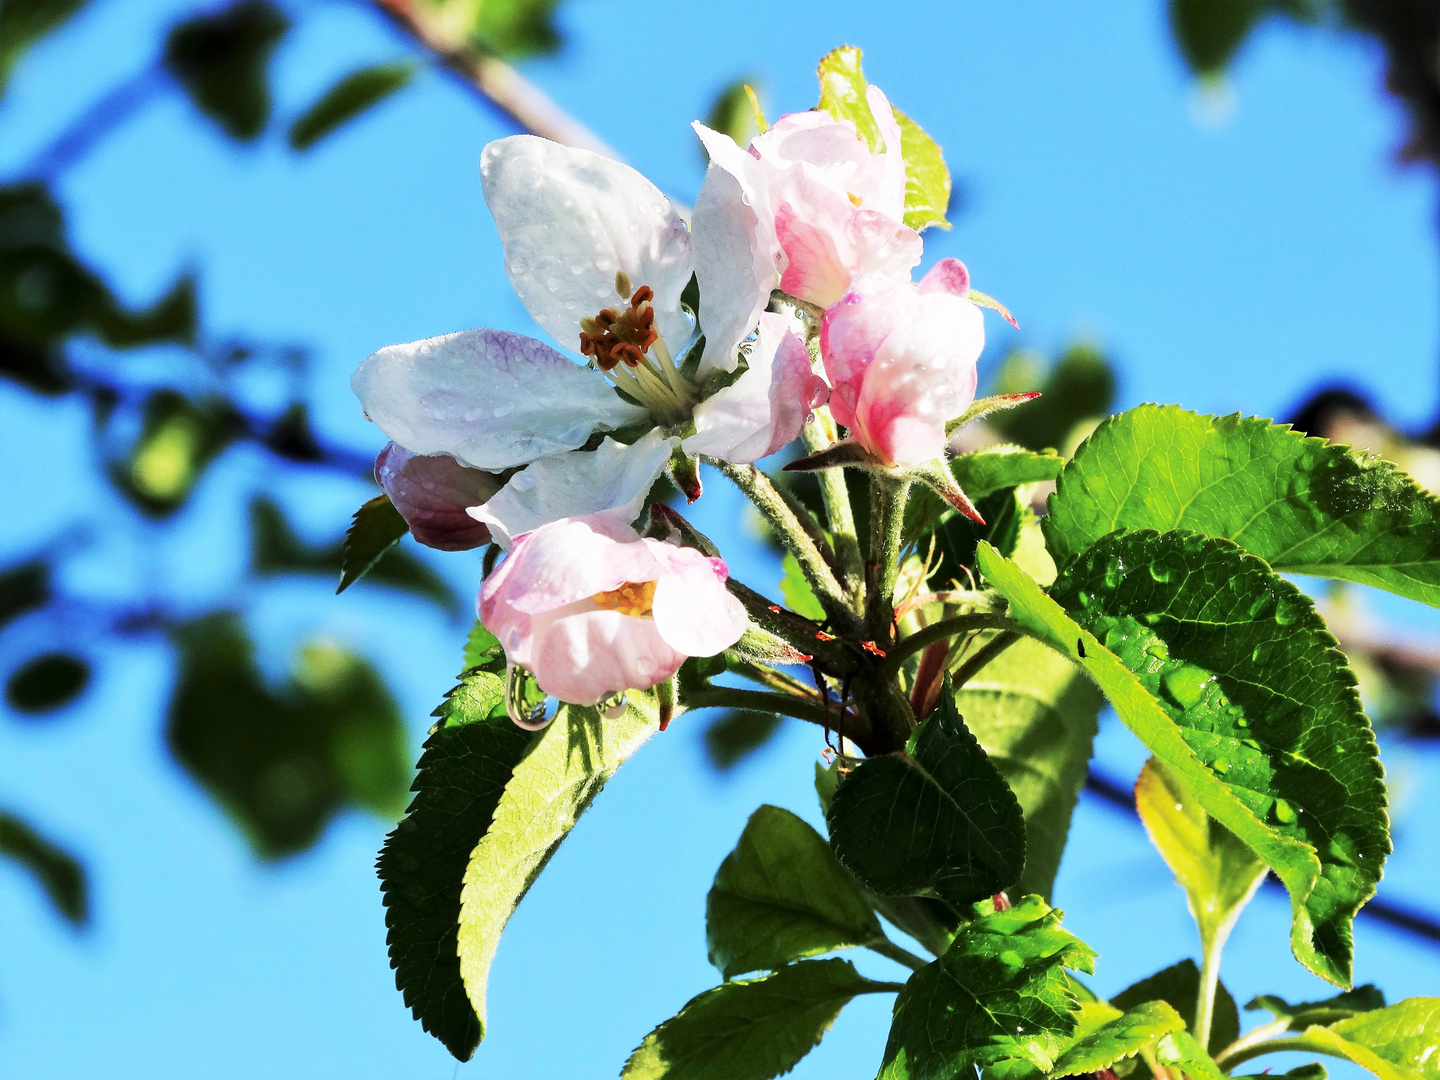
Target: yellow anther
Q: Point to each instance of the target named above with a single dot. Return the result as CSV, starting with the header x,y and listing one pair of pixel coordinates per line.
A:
x,y
622,285
855,200
634,598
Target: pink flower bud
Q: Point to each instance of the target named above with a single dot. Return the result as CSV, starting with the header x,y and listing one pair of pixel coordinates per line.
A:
x,y
592,610
901,360
432,493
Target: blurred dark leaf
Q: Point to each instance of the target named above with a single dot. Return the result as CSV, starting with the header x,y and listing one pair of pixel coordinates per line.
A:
x,y
23,588
282,762
733,113
1210,32
47,682
291,435
178,439
735,735
275,548
1080,388
375,529
221,60
58,872
24,22
171,318
956,536
347,99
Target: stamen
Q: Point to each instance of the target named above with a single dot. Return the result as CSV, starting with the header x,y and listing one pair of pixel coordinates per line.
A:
x,y
855,200
622,284
621,339
633,598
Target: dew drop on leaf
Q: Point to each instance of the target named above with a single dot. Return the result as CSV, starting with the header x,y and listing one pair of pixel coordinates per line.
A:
x,y
1284,812
1186,684
1221,765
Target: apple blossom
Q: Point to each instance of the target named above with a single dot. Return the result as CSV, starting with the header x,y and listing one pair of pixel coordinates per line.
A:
x,y
600,258
433,493
593,610
831,209
901,360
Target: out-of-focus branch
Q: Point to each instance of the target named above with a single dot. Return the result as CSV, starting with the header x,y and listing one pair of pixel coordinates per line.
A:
x,y
497,82
91,127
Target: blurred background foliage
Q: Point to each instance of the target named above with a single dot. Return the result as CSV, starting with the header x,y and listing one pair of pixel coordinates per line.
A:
x,y
284,755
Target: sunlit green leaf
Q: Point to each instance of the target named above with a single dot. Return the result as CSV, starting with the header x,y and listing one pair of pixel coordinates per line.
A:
x,y
178,439
751,1029
58,872
348,98
47,682
1226,673
1000,992
1182,1054
1303,505
796,591
1401,1042
222,61
780,896
1179,986
1118,1038
936,820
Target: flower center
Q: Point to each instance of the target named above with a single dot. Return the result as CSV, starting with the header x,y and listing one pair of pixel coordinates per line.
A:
x,y
634,598
624,345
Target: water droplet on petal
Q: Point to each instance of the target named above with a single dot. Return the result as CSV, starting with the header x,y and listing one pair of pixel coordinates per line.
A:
x,y
525,714
612,706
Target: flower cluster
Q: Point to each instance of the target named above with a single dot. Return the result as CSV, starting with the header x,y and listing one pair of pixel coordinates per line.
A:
x,y
801,258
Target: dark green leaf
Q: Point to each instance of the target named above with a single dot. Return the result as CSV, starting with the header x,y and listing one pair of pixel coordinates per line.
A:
x,y
550,788
1000,992
1362,999
1218,873
283,761
23,588
1313,1071
468,759
221,60
752,1029
780,896
375,529
1078,390
1303,505
173,317
1035,714
24,22
796,591
350,97
1179,985
937,820
927,179
1210,32
735,735
1227,674
58,872
47,682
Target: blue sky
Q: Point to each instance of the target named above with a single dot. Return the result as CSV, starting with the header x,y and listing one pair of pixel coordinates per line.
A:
x,y
1229,264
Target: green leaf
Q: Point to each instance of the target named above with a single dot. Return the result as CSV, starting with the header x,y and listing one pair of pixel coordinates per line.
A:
x,y
350,97
1218,873
550,788
1401,1042
936,820
1349,1003
1303,505
999,992
1002,466
178,440
283,761
1076,392
221,60
47,682
979,475
736,734
57,871
751,1029
375,529
1210,32
24,22
1119,1038
1181,1053
796,591
1179,986
483,649
927,179
1312,1071
1036,715
468,759
1257,629
733,112
781,896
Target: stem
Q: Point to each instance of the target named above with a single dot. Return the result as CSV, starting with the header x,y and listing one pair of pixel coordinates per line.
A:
x,y
887,519
887,948
1272,1046
839,657
838,512
938,631
730,697
1238,1051
1209,977
760,491
883,988
987,652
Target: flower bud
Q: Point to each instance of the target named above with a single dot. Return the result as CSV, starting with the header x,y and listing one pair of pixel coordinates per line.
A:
x,y
432,494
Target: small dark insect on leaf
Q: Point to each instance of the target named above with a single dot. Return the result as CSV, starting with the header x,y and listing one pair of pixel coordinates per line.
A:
x,y
1080,647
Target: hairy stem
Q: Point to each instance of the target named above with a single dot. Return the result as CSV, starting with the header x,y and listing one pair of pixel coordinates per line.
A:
x,y
1238,1051
1209,977
888,949
730,697
760,491
838,513
938,631
887,519
1271,1046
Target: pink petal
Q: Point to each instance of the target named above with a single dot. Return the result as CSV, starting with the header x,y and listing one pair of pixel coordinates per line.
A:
x,y
948,275
693,611
582,657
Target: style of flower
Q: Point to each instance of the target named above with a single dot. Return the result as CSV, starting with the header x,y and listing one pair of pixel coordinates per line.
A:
x,y
600,259
901,359
831,209
593,610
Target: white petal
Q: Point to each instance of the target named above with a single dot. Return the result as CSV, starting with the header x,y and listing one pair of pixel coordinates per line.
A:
x,y
745,422
612,478
569,219
488,398
737,256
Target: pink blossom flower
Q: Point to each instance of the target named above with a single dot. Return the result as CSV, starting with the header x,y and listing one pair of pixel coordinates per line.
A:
x,y
433,494
901,360
833,209
593,610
